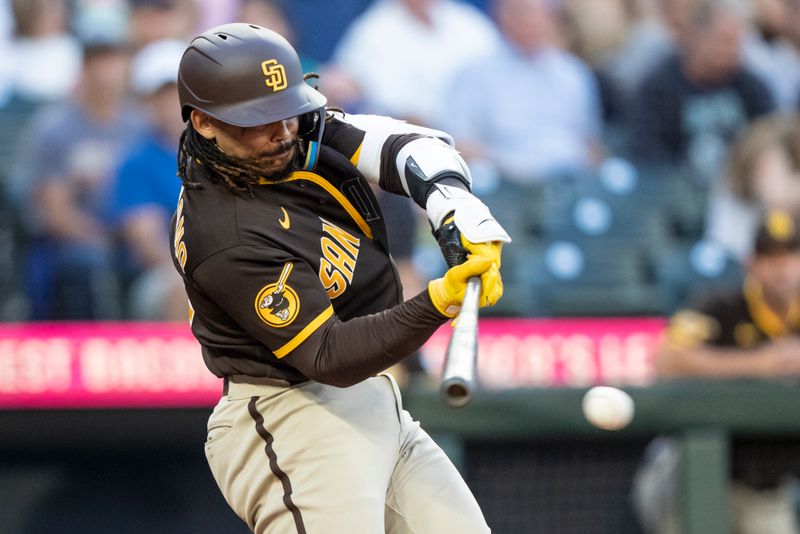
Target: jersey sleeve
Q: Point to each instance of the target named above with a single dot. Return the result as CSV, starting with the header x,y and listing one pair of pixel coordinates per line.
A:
x,y
279,301
691,328
276,298
373,143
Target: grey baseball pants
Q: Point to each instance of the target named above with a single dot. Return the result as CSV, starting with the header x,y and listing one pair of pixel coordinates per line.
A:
x,y
312,459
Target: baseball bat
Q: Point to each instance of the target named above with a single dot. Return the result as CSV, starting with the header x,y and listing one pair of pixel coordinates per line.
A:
x,y
459,376
461,358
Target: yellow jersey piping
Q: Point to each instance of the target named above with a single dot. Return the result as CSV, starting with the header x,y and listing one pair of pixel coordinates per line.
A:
x,y
301,336
356,155
335,193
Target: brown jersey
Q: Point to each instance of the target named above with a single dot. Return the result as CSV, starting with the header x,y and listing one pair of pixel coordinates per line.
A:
x,y
268,273
741,319
738,318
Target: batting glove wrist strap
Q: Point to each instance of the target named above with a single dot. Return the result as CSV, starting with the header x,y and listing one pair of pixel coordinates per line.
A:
x,y
472,217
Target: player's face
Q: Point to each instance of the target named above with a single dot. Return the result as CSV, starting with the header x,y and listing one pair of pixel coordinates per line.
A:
x,y
779,274
274,145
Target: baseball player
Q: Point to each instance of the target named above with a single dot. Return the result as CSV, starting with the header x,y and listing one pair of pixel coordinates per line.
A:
x,y
748,332
296,301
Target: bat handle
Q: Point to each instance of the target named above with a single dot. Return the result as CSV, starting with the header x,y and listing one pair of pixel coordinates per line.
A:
x,y
449,238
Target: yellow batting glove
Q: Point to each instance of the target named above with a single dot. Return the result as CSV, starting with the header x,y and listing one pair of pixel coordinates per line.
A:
x,y
491,281
491,250
447,293
481,235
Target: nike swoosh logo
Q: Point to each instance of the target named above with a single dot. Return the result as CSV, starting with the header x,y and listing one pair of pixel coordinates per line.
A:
x,y
285,222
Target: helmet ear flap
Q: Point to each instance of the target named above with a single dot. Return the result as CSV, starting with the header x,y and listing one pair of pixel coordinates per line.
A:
x,y
308,124
310,129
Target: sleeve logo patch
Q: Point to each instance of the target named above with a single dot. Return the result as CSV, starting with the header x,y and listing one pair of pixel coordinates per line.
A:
x,y
277,304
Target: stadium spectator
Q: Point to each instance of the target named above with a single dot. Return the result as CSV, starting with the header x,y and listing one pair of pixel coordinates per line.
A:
x,y
526,114
768,49
770,52
763,172
644,36
66,163
40,65
154,20
692,104
146,189
43,60
270,14
530,108
400,53
752,332
100,20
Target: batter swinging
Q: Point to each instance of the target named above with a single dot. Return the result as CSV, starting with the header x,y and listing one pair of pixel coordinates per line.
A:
x,y
295,299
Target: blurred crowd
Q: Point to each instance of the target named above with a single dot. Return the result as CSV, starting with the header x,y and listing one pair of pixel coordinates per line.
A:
x,y
630,147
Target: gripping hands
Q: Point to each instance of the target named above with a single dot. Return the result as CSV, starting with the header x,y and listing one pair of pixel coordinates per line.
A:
x,y
447,293
479,256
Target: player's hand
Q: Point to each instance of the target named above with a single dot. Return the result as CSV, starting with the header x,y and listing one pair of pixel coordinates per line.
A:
x,y
471,216
447,293
491,281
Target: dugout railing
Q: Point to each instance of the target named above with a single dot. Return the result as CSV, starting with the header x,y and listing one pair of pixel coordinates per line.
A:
x,y
704,417
532,460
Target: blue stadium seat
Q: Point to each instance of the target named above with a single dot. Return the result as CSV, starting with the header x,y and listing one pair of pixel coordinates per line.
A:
x,y
584,278
690,267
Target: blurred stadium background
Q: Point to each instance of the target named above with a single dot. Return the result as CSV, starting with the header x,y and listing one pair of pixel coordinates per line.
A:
x,y
628,145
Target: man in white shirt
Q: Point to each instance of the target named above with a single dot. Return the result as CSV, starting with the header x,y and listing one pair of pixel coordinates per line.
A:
x,y
400,53
531,109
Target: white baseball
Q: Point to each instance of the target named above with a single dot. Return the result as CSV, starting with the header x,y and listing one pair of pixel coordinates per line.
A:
x,y
608,408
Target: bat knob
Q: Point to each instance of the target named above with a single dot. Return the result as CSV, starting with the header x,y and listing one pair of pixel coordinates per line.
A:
x,y
456,392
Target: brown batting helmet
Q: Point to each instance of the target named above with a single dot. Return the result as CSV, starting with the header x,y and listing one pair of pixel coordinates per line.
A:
x,y
245,75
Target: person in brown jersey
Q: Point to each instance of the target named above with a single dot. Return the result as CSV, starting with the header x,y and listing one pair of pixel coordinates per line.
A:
x,y
743,333
296,301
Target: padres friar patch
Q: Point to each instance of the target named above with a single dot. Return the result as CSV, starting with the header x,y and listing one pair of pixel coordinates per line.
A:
x,y
277,304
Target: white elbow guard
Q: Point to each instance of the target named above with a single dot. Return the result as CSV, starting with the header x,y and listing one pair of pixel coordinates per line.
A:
x,y
426,160
472,217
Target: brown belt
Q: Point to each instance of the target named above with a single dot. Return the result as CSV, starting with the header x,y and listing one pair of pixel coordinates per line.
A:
x,y
256,380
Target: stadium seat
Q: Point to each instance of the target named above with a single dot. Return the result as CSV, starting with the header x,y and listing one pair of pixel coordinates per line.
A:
x,y
586,278
676,192
689,267
618,220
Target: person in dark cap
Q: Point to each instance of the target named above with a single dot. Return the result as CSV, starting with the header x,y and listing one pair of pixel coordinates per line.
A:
x,y
762,317
749,332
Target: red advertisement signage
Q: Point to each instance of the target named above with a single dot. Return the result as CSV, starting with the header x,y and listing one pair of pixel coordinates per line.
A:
x,y
517,353
107,365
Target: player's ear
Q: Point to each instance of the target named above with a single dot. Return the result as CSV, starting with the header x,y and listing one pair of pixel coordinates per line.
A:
x,y
202,124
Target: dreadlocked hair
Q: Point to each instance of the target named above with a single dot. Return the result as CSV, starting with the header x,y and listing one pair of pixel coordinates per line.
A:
x,y
238,175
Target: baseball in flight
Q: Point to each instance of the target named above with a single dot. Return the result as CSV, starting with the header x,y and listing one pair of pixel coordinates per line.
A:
x,y
607,407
